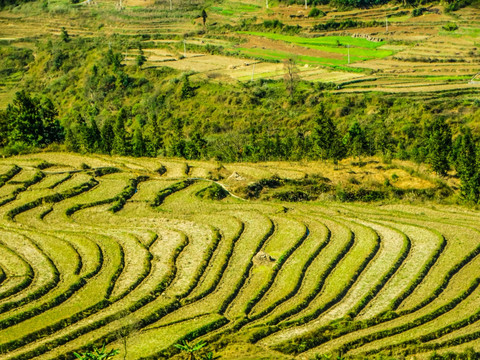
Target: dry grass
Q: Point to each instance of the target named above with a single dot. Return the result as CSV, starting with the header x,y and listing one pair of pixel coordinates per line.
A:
x,y
208,254
421,38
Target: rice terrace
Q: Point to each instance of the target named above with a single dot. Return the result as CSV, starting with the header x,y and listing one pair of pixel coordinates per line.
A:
x,y
106,249
239,179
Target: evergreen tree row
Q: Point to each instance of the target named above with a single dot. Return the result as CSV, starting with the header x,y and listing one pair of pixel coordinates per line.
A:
x,y
32,122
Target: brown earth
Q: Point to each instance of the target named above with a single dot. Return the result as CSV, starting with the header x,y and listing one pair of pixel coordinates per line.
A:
x,y
264,43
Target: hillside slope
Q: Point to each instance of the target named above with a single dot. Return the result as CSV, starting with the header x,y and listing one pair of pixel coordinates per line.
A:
x,y
110,249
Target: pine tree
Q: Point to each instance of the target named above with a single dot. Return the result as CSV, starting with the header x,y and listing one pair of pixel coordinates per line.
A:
x,y
3,128
178,147
52,130
299,146
32,121
24,121
204,18
278,147
456,148
138,144
119,146
439,146
64,35
152,137
94,136
176,140
141,59
289,145
80,138
326,139
191,151
355,140
200,145
71,140
108,136
187,91
467,168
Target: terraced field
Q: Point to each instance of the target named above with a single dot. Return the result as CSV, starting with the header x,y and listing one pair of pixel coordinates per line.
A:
x,y
116,252
414,54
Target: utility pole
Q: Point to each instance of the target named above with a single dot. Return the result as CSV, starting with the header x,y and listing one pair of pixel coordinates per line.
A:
x,y
253,71
306,4
184,48
171,7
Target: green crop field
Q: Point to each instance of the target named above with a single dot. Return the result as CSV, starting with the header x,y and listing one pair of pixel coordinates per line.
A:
x,y
359,49
101,249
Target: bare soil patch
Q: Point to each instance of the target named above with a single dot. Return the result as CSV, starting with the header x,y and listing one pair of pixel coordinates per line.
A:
x,y
263,43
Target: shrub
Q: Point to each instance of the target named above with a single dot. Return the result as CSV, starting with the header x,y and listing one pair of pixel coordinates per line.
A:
x,y
450,27
345,24
315,12
44,165
105,171
161,170
293,196
97,354
418,11
213,192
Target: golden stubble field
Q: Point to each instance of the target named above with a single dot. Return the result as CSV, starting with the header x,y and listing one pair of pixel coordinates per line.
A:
x,y
105,249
